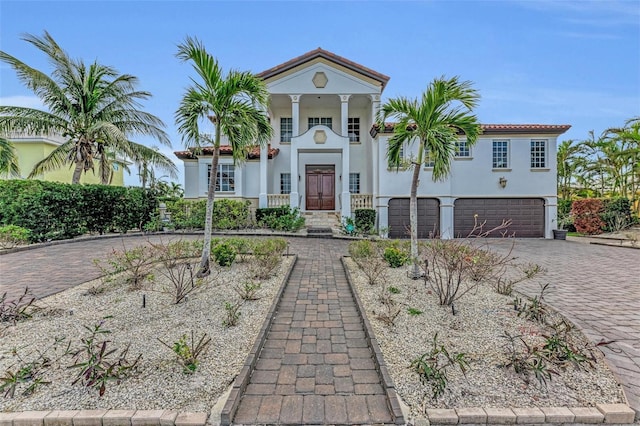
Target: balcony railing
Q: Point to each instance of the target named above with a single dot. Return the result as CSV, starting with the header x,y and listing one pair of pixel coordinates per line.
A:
x,y
277,200
361,201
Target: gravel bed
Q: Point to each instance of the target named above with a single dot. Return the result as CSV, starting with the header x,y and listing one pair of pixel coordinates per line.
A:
x,y
477,330
158,381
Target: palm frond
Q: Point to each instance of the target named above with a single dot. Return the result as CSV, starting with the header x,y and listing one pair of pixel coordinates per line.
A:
x,y
8,159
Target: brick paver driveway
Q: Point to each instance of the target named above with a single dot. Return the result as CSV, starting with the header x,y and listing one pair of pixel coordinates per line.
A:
x,y
597,287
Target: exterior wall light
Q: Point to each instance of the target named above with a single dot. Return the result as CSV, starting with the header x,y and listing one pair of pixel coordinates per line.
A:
x,y
502,181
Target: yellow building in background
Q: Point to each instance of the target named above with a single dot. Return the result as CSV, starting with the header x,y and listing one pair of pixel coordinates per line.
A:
x,y
30,149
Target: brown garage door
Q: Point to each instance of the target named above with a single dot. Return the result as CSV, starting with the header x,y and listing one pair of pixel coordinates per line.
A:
x,y
428,217
526,214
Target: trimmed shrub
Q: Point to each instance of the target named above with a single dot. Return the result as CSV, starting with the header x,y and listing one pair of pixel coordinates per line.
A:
x,y
12,235
55,211
227,214
224,253
230,214
187,214
586,216
395,257
271,211
362,249
282,219
616,214
365,220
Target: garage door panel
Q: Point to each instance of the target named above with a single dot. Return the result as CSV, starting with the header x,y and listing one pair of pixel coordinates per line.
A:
x,y
526,214
428,217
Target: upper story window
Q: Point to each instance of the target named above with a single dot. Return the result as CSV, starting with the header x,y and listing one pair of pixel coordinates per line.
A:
x,y
354,183
225,178
462,149
428,161
317,121
286,129
285,183
353,129
401,163
501,154
539,154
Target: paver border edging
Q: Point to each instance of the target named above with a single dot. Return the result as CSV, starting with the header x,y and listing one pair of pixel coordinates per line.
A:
x,y
387,382
242,379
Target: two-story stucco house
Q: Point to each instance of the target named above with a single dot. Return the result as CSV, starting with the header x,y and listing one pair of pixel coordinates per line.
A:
x,y
327,157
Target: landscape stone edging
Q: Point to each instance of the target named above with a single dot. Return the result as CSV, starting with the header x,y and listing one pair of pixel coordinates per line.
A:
x,y
242,380
387,381
601,413
103,418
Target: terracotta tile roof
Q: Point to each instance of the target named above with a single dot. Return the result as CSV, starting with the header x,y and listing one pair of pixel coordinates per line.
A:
x,y
492,129
321,53
225,150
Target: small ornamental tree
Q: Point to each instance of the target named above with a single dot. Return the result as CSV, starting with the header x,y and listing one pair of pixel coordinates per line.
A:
x,y
586,216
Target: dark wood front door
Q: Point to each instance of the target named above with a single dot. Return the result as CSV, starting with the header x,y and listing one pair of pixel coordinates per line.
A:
x,y
320,188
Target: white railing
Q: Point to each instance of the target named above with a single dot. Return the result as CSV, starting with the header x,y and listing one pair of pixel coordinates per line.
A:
x,y
277,200
361,201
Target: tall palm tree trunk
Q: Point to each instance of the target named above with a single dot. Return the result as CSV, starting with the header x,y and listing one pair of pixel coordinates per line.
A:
x,y
77,172
413,220
205,266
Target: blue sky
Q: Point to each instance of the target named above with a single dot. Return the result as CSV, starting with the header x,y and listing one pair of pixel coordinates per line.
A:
x,y
549,62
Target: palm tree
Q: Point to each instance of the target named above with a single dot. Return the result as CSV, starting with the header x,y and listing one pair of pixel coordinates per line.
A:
x,y
92,107
435,121
147,164
234,103
568,157
8,159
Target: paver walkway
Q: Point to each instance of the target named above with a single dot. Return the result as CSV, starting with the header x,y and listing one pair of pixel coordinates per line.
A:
x,y
316,366
597,287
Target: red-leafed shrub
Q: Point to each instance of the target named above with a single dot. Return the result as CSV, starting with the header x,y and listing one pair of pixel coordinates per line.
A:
x,y
586,216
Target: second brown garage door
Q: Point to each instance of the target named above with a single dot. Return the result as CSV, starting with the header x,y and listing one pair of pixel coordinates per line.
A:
x,y
526,214
428,217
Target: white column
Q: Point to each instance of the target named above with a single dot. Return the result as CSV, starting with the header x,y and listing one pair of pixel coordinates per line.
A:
x,y
295,115
446,217
344,114
550,216
294,196
345,197
375,106
262,197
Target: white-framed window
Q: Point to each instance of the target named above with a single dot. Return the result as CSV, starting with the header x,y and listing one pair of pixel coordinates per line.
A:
x,y
391,165
354,183
286,129
285,183
317,121
225,178
428,161
462,149
353,129
500,154
538,153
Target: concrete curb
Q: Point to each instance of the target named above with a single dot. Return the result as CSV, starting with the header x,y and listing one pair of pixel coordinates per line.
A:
x,y
387,382
103,418
242,380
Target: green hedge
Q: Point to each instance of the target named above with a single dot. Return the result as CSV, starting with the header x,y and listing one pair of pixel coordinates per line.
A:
x,y
262,213
55,211
227,214
365,220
